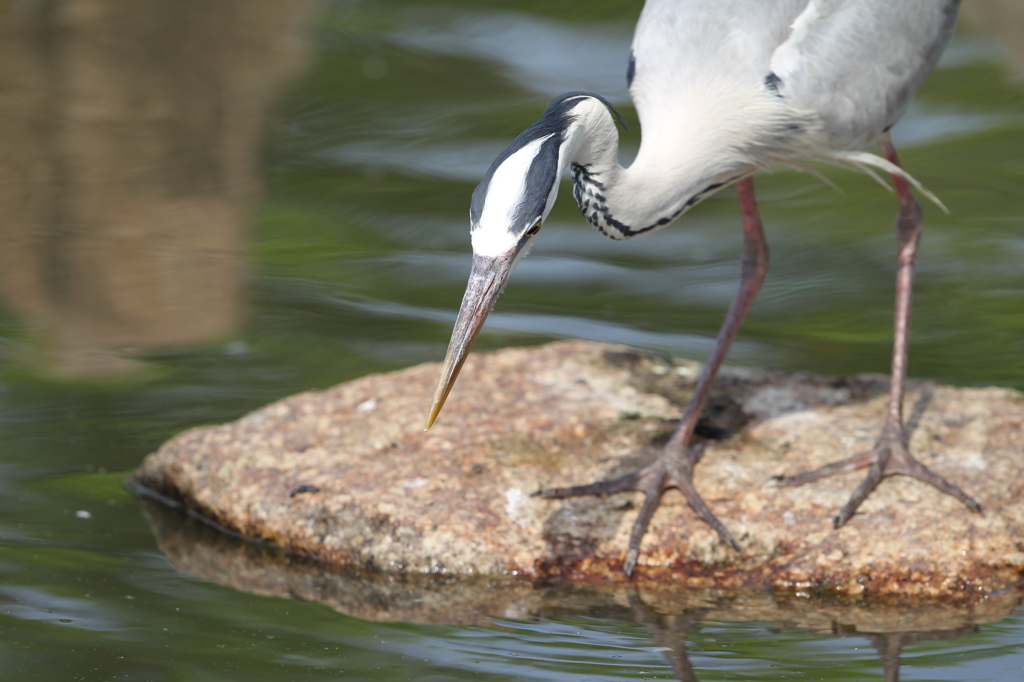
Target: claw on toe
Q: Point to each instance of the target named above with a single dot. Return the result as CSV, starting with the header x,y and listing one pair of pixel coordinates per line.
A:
x,y
630,564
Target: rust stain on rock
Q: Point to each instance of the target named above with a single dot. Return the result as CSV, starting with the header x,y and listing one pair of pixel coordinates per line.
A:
x,y
348,477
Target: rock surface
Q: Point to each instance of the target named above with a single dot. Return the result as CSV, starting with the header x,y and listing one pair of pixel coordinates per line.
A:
x,y
348,477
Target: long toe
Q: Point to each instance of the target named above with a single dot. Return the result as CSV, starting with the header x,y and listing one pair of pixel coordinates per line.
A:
x,y
629,482
697,503
870,482
652,500
926,475
858,461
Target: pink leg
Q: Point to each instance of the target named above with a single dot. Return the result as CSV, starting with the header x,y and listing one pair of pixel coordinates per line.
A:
x,y
891,454
674,467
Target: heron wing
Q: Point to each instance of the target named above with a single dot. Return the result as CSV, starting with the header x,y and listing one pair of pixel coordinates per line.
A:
x,y
856,64
698,70
685,49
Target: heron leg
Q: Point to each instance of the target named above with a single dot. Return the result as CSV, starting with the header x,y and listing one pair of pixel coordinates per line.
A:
x,y
674,466
891,453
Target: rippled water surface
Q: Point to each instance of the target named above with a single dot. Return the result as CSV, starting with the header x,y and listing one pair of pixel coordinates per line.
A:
x,y
302,173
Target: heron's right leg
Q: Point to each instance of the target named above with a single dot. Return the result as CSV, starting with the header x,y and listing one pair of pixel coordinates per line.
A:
x,y
891,453
674,467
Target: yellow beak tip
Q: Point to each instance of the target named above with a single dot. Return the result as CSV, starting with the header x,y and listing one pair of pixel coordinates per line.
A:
x,y
435,409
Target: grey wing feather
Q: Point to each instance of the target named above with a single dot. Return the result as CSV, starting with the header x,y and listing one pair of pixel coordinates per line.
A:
x,y
681,42
696,62
856,64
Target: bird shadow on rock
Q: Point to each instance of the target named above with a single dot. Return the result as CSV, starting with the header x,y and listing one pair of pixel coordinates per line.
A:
x,y
673,616
741,395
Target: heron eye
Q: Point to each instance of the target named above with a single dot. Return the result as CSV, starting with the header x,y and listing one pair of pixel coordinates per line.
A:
x,y
533,230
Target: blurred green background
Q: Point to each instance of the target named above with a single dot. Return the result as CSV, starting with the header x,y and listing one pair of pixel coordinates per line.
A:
x,y
206,206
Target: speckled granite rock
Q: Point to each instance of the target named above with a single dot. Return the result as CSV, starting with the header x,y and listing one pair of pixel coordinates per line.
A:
x,y
347,476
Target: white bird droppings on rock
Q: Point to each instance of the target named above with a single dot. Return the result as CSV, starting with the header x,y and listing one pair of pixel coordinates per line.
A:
x,y
514,501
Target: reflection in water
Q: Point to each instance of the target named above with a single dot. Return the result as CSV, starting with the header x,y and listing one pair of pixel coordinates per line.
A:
x,y
670,632
130,134
889,645
671,617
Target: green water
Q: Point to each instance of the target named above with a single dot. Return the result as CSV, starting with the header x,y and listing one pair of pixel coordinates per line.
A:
x,y
357,252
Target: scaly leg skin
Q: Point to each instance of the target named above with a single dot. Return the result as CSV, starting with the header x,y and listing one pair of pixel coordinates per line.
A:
x,y
891,454
674,466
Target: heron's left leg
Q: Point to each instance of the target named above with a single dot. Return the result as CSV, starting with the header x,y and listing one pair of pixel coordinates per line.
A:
x,y
891,454
674,467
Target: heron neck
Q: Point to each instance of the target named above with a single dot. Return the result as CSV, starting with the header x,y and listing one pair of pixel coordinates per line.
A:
x,y
660,185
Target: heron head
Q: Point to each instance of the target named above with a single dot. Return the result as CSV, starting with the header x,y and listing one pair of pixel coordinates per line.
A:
x,y
508,208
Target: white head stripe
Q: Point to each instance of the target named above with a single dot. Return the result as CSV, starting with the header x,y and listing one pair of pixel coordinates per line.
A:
x,y
491,236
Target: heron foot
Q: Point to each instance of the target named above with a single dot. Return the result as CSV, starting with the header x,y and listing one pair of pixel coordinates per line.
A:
x,y
890,457
668,471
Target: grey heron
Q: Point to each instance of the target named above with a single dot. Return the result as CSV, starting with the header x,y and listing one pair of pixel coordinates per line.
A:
x,y
723,88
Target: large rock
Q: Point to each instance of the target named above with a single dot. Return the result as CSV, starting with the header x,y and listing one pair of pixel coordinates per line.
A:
x,y
348,477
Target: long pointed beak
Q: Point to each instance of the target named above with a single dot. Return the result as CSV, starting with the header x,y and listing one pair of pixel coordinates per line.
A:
x,y
486,280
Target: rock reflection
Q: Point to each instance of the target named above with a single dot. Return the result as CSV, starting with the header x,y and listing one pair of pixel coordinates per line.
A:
x,y
671,616
129,140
